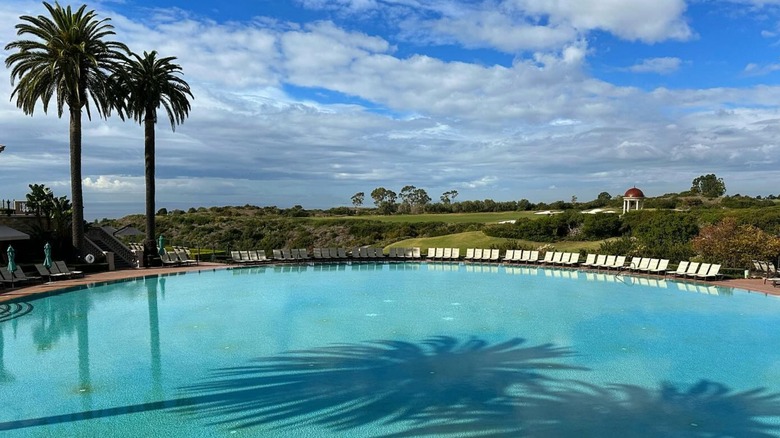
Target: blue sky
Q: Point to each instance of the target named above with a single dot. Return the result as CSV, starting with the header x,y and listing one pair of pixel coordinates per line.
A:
x,y
310,101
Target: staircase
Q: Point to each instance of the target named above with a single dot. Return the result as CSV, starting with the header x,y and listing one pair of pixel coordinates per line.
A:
x,y
124,258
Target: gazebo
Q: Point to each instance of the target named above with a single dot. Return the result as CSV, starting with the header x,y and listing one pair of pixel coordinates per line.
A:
x,y
633,200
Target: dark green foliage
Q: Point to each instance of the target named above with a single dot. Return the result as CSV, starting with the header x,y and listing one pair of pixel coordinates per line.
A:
x,y
600,226
662,234
708,185
738,201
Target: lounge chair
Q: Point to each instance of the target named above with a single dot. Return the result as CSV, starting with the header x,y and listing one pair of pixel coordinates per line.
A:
x,y
303,254
317,253
508,255
618,264
702,270
469,254
439,255
62,268
181,253
681,268
416,252
447,254
6,277
713,273
431,253
391,253
608,262
642,266
693,267
477,254
533,257
574,259
43,271
278,256
590,260
634,263
548,258
663,264
519,256
494,255
455,254
651,265
601,259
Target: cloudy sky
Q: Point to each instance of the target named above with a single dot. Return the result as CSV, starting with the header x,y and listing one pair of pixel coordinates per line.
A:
x,y
310,101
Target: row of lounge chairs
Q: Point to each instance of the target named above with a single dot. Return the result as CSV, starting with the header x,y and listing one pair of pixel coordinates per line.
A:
x,y
58,271
646,265
767,270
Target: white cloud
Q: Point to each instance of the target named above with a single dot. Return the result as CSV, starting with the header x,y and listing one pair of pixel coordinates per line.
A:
x,y
662,66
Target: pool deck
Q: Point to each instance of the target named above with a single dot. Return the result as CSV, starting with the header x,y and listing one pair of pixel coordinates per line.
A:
x,y
21,293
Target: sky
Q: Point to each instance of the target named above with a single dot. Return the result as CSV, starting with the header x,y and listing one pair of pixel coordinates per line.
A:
x,y
307,102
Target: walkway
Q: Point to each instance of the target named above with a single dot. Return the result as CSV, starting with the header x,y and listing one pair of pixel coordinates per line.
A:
x,y
751,284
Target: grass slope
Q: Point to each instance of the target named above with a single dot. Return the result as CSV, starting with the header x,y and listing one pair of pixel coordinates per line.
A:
x,y
478,239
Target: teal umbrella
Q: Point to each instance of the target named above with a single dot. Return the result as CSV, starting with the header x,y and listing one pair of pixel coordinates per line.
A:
x,y
11,261
161,245
47,255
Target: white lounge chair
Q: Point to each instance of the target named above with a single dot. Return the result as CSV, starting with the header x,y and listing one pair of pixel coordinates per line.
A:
x,y
712,273
681,269
508,255
590,260
455,253
469,254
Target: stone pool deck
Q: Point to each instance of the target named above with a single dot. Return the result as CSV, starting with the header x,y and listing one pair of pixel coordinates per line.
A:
x,y
29,292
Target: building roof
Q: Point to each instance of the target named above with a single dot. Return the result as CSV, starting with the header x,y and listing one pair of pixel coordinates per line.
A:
x,y
634,193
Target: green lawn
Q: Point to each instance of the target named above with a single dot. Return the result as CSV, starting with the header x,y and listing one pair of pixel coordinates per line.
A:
x,y
454,218
478,239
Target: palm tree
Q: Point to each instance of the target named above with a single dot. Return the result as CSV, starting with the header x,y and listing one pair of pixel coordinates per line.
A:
x,y
147,83
67,54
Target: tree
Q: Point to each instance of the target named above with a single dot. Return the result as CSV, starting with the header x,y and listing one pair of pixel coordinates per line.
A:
x,y
56,211
734,245
708,185
67,55
448,196
384,199
357,200
146,84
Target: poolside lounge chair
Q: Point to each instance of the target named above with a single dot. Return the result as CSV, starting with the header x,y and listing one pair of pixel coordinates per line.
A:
x,y
19,276
590,260
278,256
447,254
391,253
548,258
663,264
6,277
455,254
494,255
45,272
518,256
601,259
608,261
430,254
477,254
681,268
713,273
317,253
618,264
303,254
508,255
574,259
416,252
469,254
693,268
181,253
534,257
702,270
652,264
642,266
633,263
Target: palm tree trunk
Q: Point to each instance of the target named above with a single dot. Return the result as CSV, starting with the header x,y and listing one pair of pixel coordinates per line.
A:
x,y
77,197
149,175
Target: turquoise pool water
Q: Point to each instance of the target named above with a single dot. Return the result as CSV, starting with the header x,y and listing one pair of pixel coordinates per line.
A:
x,y
395,350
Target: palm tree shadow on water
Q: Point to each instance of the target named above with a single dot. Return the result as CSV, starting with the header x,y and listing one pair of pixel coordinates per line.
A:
x,y
444,387
345,386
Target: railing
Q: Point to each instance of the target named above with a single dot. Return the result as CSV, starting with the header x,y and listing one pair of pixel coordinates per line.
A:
x,y
15,207
117,247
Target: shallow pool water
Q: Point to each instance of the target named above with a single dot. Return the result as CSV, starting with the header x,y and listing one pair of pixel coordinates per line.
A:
x,y
392,350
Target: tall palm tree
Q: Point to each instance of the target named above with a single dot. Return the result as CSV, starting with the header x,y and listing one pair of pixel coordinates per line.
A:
x,y
148,83
66,54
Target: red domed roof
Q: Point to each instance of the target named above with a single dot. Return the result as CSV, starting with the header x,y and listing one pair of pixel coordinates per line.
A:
x,y
634,193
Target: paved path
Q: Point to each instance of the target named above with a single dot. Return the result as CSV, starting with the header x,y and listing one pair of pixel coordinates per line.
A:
x,y
752,284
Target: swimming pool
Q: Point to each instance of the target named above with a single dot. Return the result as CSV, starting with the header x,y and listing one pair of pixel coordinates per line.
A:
x,y
392,350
